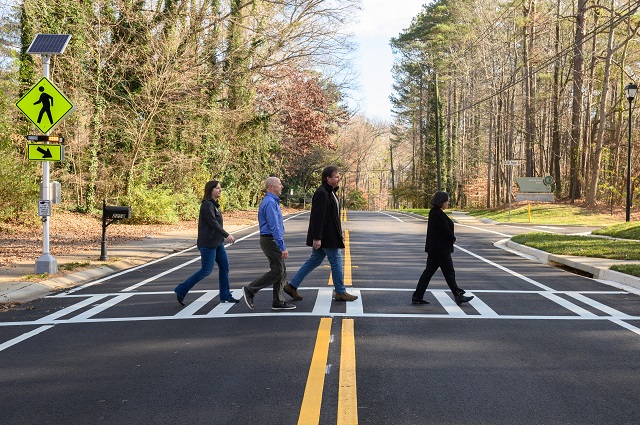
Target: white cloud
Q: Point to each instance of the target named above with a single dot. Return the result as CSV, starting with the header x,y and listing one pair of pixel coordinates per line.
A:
x,y
386,17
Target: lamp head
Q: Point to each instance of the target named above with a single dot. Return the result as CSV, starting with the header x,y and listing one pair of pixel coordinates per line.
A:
x,y
630,90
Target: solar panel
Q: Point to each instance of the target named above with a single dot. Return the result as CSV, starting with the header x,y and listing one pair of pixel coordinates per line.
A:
x,y
49,44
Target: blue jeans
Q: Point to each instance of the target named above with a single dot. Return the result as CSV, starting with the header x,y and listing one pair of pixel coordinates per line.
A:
x,y
209,256
317,256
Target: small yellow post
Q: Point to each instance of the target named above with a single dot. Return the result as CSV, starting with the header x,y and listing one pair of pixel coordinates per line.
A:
x,y
529,212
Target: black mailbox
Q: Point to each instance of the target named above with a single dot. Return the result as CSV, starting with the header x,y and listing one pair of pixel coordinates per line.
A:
x,y
110,213
116,213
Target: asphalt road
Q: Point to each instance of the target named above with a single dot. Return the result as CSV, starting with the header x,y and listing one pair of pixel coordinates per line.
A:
x,y
537,345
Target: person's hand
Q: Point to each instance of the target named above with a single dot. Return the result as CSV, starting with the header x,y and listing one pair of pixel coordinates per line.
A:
x,y
231,239
285,254
317,243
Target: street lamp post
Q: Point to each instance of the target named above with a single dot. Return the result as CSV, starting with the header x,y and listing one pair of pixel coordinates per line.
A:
x,y
393,180
630,90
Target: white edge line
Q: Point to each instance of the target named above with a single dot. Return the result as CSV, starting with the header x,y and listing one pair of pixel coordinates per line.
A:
x,y
384,213
24,336
331,314
626,325
315,288
505,269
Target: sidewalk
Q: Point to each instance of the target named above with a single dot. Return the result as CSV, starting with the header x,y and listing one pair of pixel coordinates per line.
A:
x,y
15,287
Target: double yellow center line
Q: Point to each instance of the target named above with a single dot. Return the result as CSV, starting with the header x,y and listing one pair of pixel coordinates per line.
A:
x,y
348,280
347,391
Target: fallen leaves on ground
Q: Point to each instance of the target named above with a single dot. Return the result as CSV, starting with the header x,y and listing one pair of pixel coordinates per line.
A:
x,y
74,232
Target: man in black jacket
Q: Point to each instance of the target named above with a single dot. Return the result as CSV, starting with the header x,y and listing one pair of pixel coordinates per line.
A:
x,y
324,236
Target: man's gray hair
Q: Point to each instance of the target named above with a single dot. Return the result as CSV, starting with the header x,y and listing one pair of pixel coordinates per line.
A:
x,y
271,181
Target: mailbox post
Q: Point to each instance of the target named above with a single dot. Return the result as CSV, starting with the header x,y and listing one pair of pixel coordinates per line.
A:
x,y
112,213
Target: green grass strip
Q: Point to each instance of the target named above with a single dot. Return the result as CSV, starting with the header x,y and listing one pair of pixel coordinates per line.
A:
x,y
583,246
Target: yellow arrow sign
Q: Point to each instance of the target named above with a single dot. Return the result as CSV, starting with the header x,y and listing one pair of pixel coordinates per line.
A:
x,y
45,152
45,105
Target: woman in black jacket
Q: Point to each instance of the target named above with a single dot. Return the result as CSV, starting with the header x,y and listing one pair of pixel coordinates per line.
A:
x,y
439,246
211,239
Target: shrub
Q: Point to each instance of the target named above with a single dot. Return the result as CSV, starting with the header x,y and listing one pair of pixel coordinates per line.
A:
x,y
356,201
18,189
152,206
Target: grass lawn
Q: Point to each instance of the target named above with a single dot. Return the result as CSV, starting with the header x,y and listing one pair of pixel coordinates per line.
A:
x,y
584,246
624,230
548,214
632,269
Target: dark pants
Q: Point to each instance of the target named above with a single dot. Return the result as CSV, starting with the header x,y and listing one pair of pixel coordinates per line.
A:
x,y
445,263
277,273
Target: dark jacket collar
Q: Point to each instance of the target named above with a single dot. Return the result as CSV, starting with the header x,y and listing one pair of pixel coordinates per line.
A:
x,y
329,188
217,205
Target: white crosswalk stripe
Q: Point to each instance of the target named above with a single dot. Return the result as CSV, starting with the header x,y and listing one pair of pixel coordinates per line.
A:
x,y
90,305
324,302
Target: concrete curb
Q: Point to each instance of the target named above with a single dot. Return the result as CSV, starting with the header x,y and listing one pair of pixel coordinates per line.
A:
x,y
21,292
597,267
131,254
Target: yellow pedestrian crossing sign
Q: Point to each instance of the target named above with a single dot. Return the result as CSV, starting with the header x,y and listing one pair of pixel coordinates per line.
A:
x,y
45,105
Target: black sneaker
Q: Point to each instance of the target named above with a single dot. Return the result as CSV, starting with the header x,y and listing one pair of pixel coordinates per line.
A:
x,y
230,300
419,301
283,306
248,297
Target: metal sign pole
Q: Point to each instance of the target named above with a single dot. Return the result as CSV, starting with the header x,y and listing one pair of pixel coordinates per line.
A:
x,y
510,163
46,45
46,263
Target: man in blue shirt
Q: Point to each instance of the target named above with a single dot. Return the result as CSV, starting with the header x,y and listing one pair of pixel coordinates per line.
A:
x,y
272,244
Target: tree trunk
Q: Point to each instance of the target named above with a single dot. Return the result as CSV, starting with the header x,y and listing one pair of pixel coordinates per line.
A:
x,y
602,116
529,83
555,143
576,105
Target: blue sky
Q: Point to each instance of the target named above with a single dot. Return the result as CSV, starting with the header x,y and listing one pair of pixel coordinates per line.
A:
x,y
379,21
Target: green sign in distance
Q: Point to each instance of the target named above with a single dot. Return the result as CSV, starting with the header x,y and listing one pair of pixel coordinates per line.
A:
x,y
45,152
535,184
45,105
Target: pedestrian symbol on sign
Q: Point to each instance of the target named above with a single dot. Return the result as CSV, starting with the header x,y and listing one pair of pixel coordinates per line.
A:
x,y
45,99
47,102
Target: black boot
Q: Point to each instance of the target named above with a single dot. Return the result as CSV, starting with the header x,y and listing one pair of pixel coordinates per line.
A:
x,y
462,298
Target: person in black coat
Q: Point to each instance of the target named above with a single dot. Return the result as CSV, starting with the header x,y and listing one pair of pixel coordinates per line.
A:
x,y
211,239
439,246
325,237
